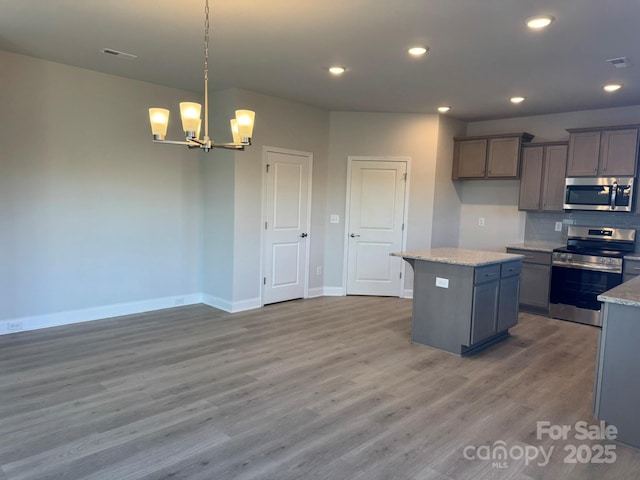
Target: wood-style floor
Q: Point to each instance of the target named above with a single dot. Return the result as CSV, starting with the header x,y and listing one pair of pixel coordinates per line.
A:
x,y
326,388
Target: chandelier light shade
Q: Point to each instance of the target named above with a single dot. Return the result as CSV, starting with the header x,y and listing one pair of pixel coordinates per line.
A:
x,y
159,118
245,119
190,112
234,130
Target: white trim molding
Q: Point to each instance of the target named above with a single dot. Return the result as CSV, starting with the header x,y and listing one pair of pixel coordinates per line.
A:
x,y
334,292
315,292
57,319
231,307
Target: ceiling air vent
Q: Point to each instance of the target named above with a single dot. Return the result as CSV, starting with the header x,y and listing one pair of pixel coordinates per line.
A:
x,y
116,53
620,62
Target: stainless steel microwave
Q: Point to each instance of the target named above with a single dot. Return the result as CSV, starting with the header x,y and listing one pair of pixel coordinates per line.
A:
x,y
599,193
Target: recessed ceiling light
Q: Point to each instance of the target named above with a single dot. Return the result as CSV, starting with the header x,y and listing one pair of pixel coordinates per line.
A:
x,y
444,109
612,87
517,99
337,70
539,21
417,51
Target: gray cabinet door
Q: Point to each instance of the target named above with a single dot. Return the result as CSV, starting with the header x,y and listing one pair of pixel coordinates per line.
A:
x,y
508,303
555,166
631,268
619,152
503,157
584,151
534,285
617,392
484,311
531,178
471,158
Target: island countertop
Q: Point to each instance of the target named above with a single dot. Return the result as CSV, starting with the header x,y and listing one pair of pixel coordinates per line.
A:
x,y
627,293
458,256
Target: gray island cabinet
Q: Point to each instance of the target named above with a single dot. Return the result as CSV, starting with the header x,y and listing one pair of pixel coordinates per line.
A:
x,y
616,396
463,300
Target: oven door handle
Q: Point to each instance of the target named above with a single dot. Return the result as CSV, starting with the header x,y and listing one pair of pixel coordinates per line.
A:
x,y
614,193
590,266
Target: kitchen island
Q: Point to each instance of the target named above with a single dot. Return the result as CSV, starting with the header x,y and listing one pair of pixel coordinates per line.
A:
x,y
463,300
616,395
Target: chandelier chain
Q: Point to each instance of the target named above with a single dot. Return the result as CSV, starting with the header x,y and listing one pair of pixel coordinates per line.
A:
x,y
206,40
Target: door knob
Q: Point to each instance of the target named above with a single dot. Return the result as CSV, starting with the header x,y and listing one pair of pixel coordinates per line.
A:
x,y
304,235
353,235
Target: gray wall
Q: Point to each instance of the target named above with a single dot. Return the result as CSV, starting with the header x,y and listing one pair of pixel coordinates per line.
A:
x,y
233,219
218,187
284,124
380,134
447,194
96,220
94,217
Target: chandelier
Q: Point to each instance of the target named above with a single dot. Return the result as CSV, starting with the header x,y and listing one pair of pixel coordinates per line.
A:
x,y
241,126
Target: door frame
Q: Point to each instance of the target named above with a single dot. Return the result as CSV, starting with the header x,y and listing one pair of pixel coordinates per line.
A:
x,y
265,151
347,214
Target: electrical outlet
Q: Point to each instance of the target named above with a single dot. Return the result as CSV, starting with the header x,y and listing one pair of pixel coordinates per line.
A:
x,y
319,270
334,218
179,301
15,326
481,222
558,226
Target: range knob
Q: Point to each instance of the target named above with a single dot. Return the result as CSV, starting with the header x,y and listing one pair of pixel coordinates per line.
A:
x,y
602,260
563,256
569,256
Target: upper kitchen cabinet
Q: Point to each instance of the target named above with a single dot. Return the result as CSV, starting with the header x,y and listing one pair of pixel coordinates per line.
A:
x,y
605,151
542,177
488,156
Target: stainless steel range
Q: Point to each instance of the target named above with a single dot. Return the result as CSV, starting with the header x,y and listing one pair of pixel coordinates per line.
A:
x,y
589,265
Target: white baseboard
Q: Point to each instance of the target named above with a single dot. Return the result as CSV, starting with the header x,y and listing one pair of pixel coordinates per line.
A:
x,y
57,319
70,317
315,292
334,292
407,293
231,307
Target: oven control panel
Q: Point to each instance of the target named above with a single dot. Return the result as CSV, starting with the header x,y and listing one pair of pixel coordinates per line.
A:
x,y
587,262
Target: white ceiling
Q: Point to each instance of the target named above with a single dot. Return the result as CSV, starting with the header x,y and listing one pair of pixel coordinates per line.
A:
x,y
481,52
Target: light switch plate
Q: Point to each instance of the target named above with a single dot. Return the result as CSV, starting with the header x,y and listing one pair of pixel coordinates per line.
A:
x,y
558,226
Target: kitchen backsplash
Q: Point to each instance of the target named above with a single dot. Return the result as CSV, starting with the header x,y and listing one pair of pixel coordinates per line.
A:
x,y
540,226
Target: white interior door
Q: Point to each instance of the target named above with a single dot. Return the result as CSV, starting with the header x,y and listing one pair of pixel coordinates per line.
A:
x,y
286,220
376,222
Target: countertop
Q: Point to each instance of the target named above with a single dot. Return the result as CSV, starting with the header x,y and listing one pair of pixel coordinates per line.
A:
x,y
627,293
537,246
458,256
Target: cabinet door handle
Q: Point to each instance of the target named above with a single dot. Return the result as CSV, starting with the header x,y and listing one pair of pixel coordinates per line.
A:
x,y
489,274
636,268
